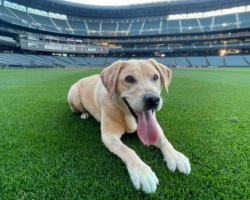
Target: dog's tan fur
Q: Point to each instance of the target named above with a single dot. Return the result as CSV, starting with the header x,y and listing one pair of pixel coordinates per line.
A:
x,y
102,97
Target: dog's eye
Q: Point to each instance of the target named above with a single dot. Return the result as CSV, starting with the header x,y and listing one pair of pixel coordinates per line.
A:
x,y
130,79
155,77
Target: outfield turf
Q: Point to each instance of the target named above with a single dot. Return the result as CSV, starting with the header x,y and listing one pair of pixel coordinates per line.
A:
x,y
48,152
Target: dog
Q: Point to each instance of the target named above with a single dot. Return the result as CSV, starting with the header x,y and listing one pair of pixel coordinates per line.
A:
x,y
125,98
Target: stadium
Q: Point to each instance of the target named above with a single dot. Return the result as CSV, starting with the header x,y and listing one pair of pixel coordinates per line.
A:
x,y
47,152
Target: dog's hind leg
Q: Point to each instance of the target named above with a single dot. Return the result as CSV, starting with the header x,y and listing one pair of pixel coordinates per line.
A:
x,y
75,102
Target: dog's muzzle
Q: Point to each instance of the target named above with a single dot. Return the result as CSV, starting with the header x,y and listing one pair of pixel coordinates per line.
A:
x,y
151,101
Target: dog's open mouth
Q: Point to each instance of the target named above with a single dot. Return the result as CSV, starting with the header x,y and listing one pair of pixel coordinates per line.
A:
x,y
147,129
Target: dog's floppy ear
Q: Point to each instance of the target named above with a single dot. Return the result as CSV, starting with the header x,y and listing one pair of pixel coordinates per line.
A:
x,y
164,72
109,76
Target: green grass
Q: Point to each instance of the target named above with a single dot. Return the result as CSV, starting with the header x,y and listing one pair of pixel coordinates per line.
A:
x,y
48,152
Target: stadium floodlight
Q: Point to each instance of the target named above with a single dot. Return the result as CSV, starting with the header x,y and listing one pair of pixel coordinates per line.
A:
x,y
242,9
212,13
15,6
234,10
248,8
180,16
37,12
195,15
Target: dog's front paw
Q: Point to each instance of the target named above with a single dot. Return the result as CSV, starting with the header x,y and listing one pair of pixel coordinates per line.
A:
x,y
176,160
143,177
85,115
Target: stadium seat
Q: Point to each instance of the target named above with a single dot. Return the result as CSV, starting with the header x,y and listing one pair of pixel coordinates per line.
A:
x,y
215,61
187,47
197,61
234,44
151,25
204,46
133,32
122,29
110,60
136,26
218,45
140,48
7,39
206,23
235,61
247,58
78,27
93,26
150,32
174,47
247,44
244,19
4,11
42,20
62,24
101,61
68,60
168,61
79,60
9,17
54,60
109,26
163,48
22,15
190,25
225,22
154,48
124,58
50,28
173,26
164,28
181,61
92,61
158,59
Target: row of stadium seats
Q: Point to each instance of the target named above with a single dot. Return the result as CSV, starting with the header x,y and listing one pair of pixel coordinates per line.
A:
x,y
8,41
224,22
53,61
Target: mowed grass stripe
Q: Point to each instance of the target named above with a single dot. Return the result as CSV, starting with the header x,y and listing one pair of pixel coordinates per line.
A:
x,y
48,152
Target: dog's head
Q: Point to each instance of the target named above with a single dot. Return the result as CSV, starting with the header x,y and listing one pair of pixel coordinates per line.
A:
x,y
138,84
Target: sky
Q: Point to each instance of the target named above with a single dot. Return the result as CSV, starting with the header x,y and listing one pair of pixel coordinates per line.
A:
x,y
112,2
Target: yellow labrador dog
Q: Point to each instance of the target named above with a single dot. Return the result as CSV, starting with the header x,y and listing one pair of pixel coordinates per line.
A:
x,y
124,98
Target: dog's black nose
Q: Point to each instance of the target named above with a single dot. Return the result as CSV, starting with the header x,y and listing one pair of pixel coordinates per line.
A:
x,y
151,100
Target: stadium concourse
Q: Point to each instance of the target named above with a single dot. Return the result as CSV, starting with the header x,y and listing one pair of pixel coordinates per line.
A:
x,y
51,33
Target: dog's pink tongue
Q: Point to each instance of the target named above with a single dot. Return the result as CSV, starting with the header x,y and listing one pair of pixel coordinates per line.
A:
x,y
147,128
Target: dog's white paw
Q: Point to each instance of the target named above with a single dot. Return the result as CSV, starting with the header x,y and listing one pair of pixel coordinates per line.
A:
x,y
143,178
85,115
176,160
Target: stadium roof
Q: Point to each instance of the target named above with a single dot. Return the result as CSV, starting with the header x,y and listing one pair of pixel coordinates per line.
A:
x,y
161,8
118,3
